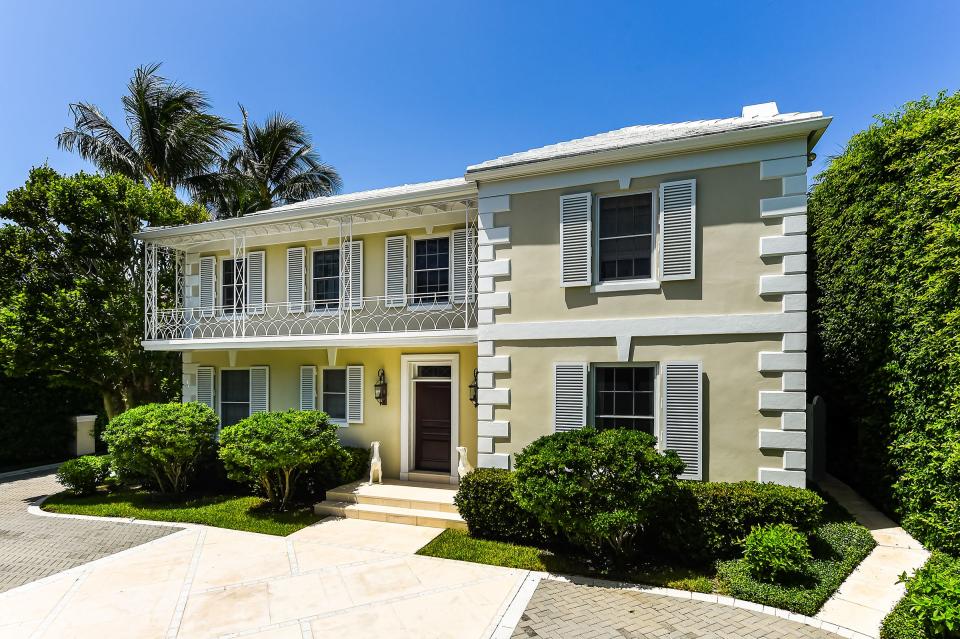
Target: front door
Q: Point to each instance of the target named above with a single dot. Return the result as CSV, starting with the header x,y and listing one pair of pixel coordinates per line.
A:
x,y
432,425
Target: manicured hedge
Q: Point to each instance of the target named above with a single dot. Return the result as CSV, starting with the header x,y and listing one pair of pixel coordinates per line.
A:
x,y
82,475
837,549
486,502
885,231
931,607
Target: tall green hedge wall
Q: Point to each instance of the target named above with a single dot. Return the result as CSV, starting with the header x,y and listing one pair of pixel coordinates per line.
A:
x,y
885,244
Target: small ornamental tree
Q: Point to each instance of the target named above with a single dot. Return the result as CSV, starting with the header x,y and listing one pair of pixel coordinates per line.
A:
x,y
599,488
162,442
272,450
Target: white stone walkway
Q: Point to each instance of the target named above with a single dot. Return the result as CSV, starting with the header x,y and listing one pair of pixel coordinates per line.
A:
x,y
871,591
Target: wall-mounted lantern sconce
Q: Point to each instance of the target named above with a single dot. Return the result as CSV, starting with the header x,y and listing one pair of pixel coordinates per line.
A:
x,y
473,388
380,388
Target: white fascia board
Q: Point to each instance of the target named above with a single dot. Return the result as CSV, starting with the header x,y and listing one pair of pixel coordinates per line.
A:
x,y
799,130
747,324
379,340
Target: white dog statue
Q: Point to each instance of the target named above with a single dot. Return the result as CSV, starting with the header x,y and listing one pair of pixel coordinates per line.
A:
x,y
464,466
376,467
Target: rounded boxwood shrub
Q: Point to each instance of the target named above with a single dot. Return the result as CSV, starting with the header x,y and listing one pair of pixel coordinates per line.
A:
x,y
486,502
599,488
272,450
82,475
776,553
161,442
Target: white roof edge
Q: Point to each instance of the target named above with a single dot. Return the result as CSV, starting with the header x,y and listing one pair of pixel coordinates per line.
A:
x,y
588,150
332,205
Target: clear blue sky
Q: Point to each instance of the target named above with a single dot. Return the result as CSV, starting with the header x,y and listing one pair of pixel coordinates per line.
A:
x,y
396,94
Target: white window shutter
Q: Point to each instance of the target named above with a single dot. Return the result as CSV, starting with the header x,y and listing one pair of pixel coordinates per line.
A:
x,y
683,420
678,230
208,285
259,389
569,396
395,282
575,240
461,263
205,390
308,388
355,394
296,279
255,281
352,274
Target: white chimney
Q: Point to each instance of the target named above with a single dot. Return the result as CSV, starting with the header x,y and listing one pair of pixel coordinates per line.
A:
x,y
765,110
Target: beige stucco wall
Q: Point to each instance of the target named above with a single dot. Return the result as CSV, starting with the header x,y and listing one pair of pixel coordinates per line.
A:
x,y
729,228
730,386
381,423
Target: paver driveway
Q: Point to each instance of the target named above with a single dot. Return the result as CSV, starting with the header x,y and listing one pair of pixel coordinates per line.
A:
x,y
33,547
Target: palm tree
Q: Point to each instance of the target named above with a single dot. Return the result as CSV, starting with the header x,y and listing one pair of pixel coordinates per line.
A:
x,y
173,139
274,164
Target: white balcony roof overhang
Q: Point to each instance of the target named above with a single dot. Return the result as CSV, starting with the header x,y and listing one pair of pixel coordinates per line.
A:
x,y
380,210
458,337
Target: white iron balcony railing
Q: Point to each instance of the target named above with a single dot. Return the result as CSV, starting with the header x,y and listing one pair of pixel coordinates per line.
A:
x,y
348,317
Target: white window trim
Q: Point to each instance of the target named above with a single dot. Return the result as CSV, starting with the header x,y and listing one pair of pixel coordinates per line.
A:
x,y
308,302
407,440
658,395
651,283
321,373
412,239
219,308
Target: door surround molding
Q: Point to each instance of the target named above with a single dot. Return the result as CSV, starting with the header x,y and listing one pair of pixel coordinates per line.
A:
x,y
407,421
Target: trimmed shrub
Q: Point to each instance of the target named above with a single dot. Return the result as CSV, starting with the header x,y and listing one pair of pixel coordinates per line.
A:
x,y
837,549
777,553
710,520
82,475
486,502
599,488
931,607
272,450
335,472
885,249
161,442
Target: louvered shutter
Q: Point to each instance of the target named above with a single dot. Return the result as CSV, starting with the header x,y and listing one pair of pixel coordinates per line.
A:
x,y
461,263
569,396
208,285
308,388
678,230
259,389
575,239
683,430
355,394
296,278
352,261
395,282
256,281
205,391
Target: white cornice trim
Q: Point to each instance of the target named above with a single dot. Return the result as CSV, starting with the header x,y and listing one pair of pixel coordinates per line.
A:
x,y
746,324
431,338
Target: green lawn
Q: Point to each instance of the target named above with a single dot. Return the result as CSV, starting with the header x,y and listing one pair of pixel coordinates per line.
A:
x,y
457,544
224,511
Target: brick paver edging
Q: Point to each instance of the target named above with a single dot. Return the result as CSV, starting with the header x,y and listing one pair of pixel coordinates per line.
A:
x,y
511,618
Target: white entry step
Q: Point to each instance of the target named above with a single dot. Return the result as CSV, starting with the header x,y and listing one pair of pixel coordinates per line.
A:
x,y
394,501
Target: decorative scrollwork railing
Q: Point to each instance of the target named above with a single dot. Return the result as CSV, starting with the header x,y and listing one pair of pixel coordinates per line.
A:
x,y
372,315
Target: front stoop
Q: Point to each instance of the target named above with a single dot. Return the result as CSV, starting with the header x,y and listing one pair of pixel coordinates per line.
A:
x,y
394,501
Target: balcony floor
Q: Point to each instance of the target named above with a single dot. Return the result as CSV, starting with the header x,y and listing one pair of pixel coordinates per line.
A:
x,y
457,337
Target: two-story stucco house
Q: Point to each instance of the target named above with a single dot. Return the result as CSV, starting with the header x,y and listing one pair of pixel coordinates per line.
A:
x,y
652,277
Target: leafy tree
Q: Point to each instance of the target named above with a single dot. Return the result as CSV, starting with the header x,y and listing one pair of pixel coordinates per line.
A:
x,y
885,226
273,450
71,284
173,140
274,164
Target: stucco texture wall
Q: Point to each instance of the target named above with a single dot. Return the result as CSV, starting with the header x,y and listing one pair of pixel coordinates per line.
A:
x,y
730,389
381,423
729,228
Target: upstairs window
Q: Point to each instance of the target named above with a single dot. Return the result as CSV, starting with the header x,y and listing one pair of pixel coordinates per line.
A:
x,y
232,286
625,237
624,397
326,280
431,270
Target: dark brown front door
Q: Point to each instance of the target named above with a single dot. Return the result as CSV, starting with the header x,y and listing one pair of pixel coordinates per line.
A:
x,y
432,426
